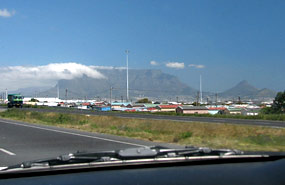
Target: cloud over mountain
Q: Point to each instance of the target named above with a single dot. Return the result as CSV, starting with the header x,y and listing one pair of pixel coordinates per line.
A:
x,y
14,77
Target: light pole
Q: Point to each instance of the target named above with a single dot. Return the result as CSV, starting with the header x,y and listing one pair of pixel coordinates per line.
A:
x,y
57,91
201,99
6,94
127,53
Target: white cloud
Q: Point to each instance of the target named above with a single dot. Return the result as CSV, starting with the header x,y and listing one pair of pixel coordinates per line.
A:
x,y
198,66
107,67
176,65
154,63
6,13
14,77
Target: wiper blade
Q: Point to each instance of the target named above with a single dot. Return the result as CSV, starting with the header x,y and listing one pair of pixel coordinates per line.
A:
x,y
66,159
127,154
205,151
149,152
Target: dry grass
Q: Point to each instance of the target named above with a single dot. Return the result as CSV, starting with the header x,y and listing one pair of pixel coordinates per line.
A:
x,y
254,138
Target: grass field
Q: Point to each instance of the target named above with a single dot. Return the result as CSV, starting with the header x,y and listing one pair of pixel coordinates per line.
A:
x,y
276,117
248,138
261,116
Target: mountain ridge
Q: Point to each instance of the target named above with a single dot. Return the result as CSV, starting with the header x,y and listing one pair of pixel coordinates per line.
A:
x,y
245,90
144,83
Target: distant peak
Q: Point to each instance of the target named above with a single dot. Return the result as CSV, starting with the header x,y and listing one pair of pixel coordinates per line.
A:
x,y
264,89
246,85
243,82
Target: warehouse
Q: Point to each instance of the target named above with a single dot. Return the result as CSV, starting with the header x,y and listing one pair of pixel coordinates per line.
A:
x,y
192,110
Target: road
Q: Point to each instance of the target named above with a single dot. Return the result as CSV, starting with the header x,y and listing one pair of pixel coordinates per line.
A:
x,y
267,123
24,142
21,141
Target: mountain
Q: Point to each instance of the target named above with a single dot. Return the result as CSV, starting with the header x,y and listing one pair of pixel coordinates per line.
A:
x,y
245,90
144,83
266,93
30,91
149,83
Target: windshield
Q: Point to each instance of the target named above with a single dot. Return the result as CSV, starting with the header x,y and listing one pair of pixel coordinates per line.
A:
x,y
92,76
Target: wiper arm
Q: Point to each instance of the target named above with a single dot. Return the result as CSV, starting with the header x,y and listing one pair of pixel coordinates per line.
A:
x,y
203,151
156,151
127,154
67,159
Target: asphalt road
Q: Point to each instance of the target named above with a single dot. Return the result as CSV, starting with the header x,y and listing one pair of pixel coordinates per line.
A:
x,y
267,123
21,141
24,142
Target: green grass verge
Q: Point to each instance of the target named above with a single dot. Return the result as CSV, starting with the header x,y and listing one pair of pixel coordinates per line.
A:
x,y
276,117
248,138
261,116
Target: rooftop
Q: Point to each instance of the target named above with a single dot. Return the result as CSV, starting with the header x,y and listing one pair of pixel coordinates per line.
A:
x,y
193,108
168,106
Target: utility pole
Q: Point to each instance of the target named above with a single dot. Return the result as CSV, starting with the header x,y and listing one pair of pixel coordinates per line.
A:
x,y
65,95
216,99
201,89
127,52
197,98
177,99
57,91
111,88
6,94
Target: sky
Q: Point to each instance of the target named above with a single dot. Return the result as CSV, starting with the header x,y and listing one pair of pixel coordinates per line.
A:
x,y
224,41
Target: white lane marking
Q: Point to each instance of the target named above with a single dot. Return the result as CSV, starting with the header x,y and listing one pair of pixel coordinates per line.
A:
x,y
6,151
65,132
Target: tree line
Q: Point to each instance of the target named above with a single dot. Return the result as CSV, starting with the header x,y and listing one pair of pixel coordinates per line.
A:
x,y
278,106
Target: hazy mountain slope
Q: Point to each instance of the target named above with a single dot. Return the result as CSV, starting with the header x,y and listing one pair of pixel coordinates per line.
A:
x,y
30,91
266,93
144,83
151,83
245,90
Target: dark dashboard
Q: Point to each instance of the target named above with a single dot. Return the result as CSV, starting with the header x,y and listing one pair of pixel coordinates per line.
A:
x,y
226,172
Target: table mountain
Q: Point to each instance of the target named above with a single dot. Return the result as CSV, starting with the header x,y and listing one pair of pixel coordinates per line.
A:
x,y
150,83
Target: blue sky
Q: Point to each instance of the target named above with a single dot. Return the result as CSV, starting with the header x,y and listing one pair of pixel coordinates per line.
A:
x,y
225,41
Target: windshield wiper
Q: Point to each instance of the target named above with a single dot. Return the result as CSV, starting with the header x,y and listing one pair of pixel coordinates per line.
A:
x,y
126,154
157,151
66,159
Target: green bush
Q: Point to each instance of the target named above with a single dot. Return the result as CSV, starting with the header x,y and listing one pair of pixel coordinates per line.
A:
x,y
63,118
185,135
